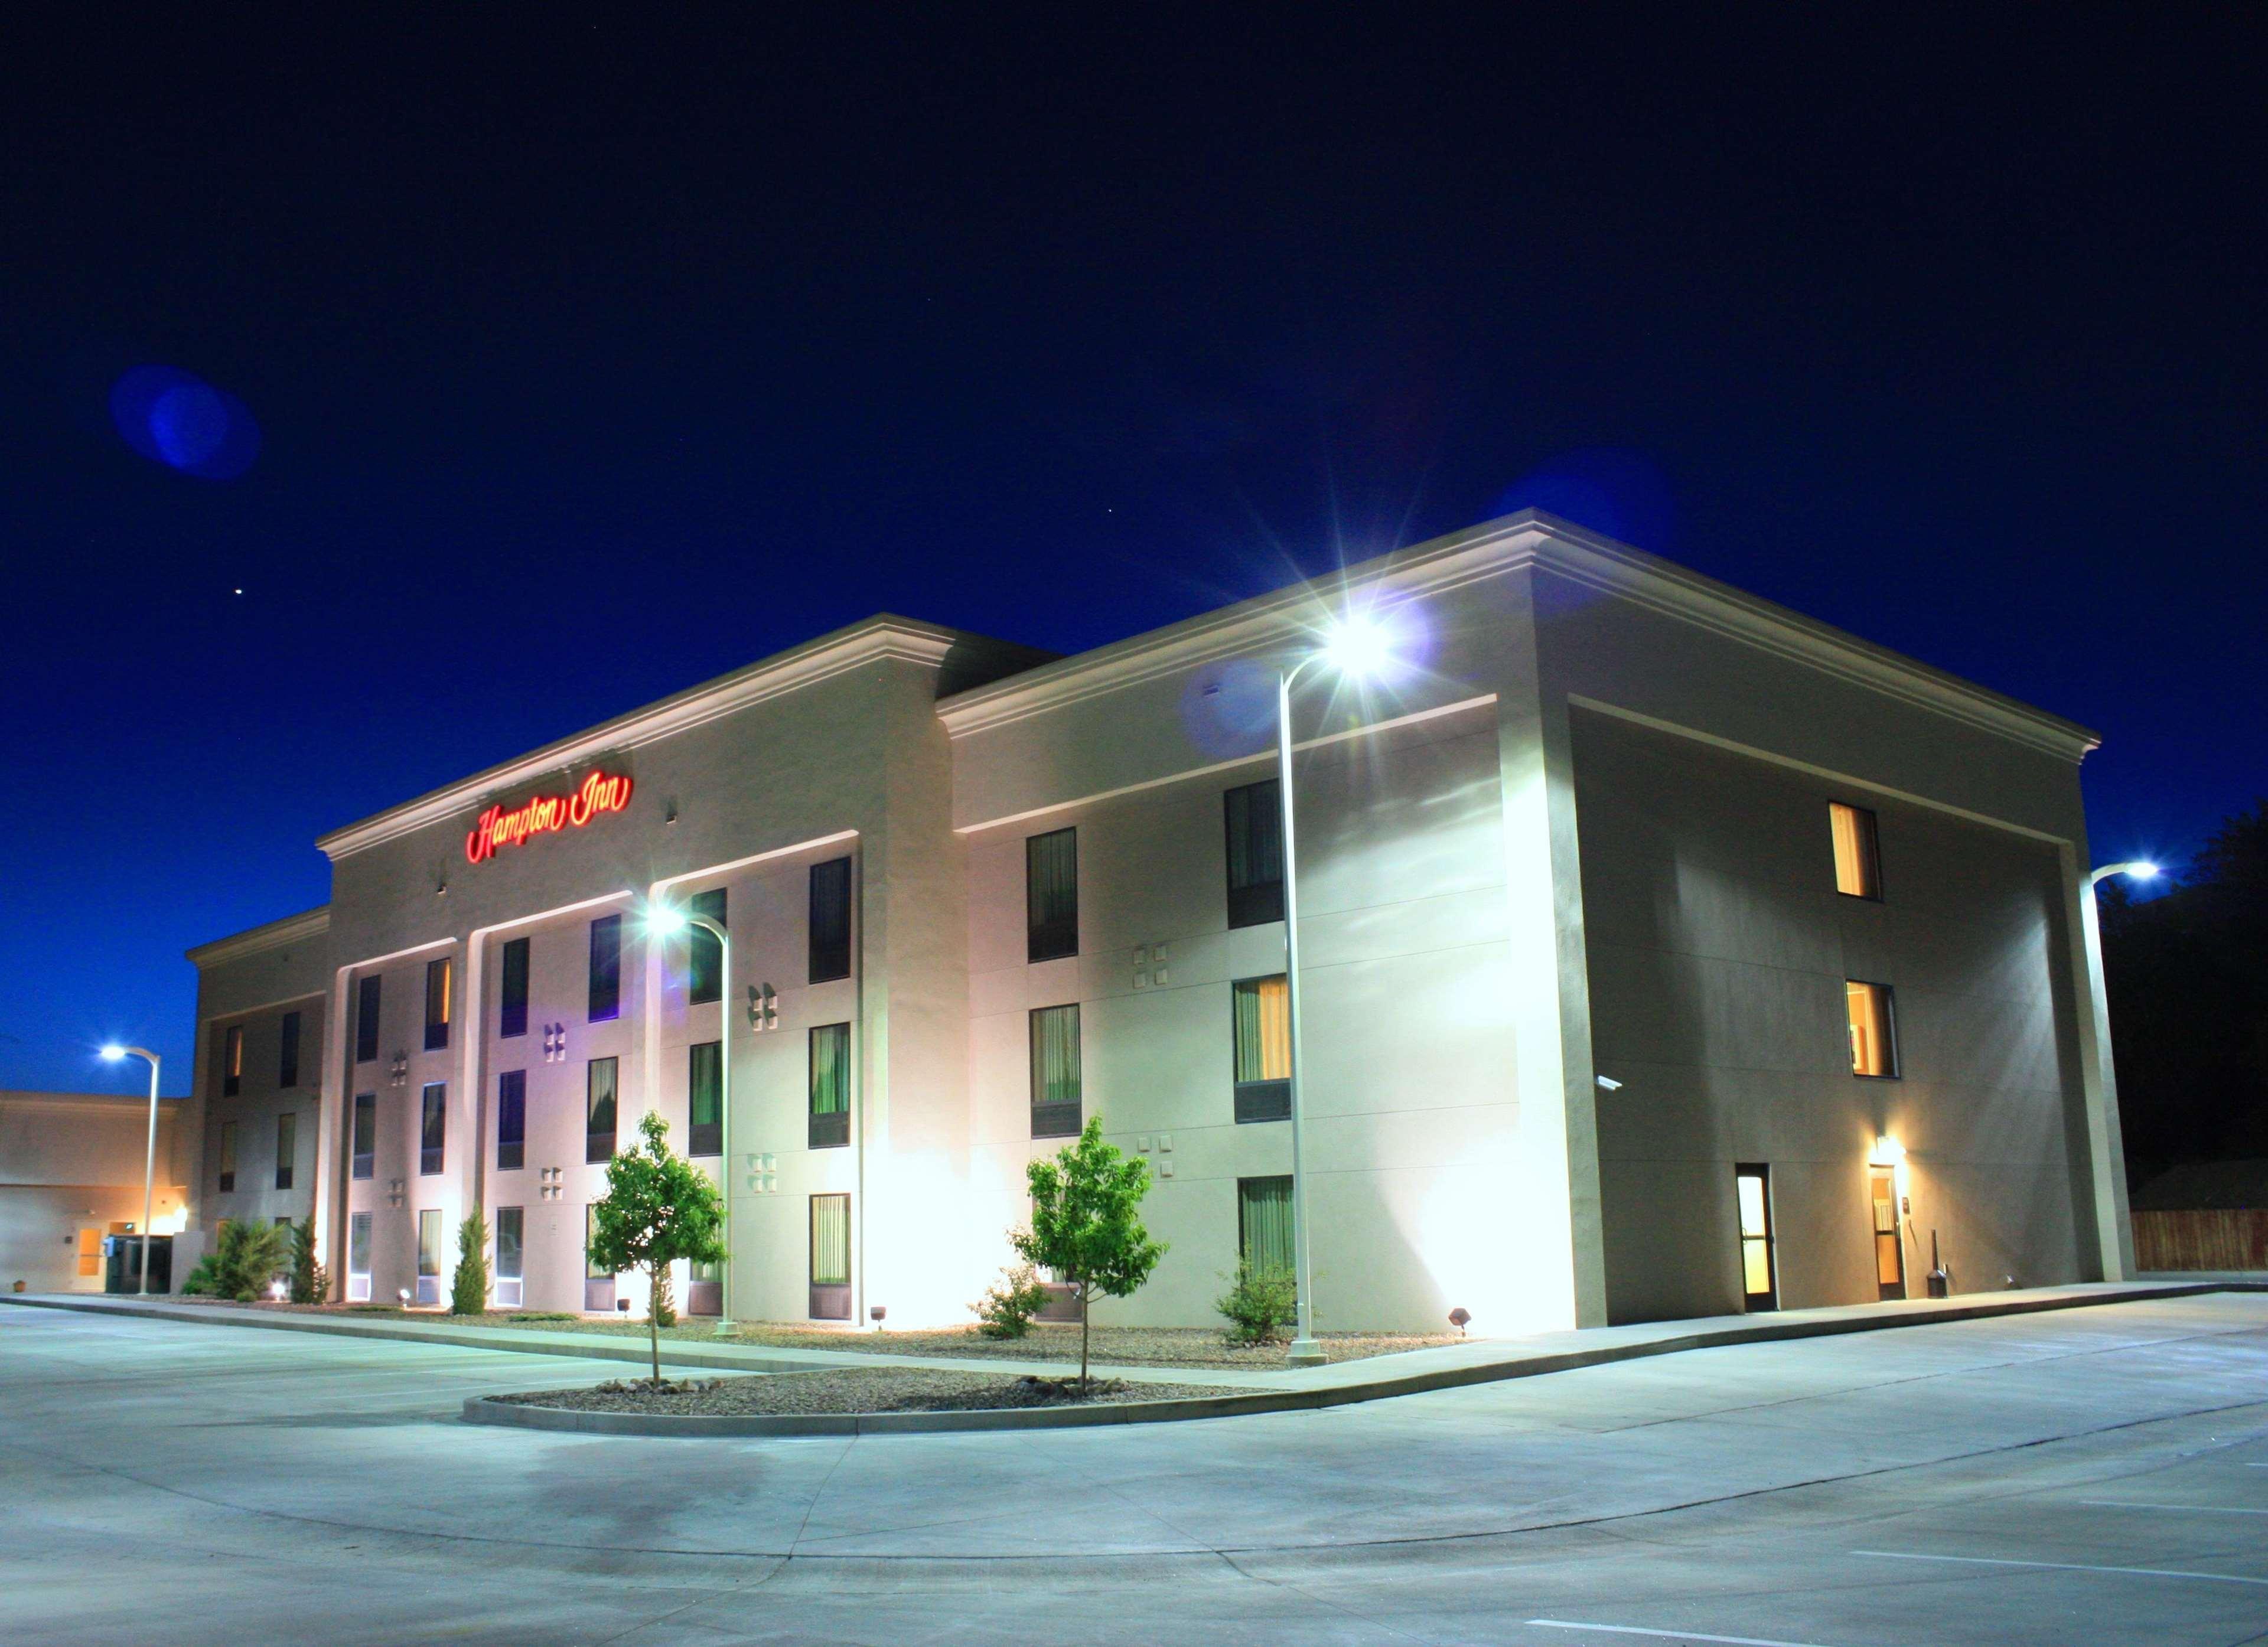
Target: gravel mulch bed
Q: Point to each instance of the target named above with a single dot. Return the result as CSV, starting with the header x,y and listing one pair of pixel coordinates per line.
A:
x,y
853,1390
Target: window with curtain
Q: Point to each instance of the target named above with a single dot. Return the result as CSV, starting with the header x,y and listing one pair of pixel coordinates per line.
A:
x,y
831,1258
366,1018
287,1148
511,1243
227,1155
705,955
512,989
1051,895
1873,1029
1255,824
429,1255
511,1121
705,1087
438,975
287,1058
231,1062
831,1086
1857,851
433,1126
591,1270
365,1133
1055,1088
830,920
358,1252
599,1091
1263,1223
1262,1023
606,968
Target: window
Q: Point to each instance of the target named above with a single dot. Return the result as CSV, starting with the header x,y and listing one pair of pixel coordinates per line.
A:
x,y
358,1258
606,968
438,974
1262,1018
287,1148
704,1086
831,1258
227,1156
1759,1285
510,1255
1056,1096
366,1132
366,1018
1873,1029
831,1086
511,1121
287,1061
1255,820
429,1255
511,1008
830,920
232,1063
1051,895
1263,1225
705,955
433,1122
1857,851
598,1110
598,1284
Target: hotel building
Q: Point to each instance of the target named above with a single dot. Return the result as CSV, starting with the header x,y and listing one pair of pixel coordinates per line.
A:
x,y
1664,954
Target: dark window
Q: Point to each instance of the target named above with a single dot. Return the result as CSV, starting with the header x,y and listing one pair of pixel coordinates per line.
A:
x,y
366,1132
438,976
227,1156
1858,850
1254,821
511,1121
1051,895
429,1255
287,1062
705,955
1263,1223
231,1062
287,1148
433,1127
1055,1072
831,1086
831,1258
830,920
598,1110
705,1099
366,1018
358,1254
606,968
510,1245
511,1013
1262,1023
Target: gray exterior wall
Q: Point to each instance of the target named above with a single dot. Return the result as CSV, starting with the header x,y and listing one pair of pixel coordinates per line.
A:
x,y
71,1162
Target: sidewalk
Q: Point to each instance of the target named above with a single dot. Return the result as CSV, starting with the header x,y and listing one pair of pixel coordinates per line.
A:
x,y
1407,1372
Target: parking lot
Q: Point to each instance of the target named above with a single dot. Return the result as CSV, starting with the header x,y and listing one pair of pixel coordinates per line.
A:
x,y
2088,1475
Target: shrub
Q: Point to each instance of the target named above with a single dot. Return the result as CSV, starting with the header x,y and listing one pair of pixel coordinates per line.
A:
x,y
1006,1309
1260,1303
469,1288
245,1258
311,1281
201,1280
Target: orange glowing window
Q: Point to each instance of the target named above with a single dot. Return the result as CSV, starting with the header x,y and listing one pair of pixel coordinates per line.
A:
x,y
1873,1029
1858,859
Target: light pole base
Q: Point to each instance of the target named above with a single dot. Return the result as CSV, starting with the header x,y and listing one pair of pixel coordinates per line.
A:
x,y
1305,1352
723,1327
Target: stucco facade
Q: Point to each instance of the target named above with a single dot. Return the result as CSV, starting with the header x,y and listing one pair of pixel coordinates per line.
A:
x,y
1580,831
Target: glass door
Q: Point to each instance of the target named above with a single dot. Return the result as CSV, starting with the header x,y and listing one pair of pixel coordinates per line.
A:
x,y
509,1227
1890,1251
358,1258
1759,1263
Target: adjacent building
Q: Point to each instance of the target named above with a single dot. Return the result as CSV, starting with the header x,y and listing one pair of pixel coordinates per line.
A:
x,y
72,1168
1664,954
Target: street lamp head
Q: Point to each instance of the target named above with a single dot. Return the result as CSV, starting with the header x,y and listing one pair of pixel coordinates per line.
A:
x,y
664,919
2143,870
1358,646
113,1053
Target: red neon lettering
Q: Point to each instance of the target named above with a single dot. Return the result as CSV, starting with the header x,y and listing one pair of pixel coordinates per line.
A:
x,y
601,792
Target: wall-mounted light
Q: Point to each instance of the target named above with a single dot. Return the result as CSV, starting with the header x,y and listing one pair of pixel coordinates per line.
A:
x,y
1607,1084
1888,1152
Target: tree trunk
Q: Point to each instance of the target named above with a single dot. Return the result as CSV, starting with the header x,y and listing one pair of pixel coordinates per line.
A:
x,y
1083,1291
653,1319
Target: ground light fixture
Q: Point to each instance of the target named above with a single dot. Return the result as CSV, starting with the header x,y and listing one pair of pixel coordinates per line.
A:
x,y
1357,647
113,1054
666,921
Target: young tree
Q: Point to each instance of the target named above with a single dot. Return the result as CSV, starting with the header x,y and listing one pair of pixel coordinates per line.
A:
x,y
1086,1225
658,1208
468,1288
311,1281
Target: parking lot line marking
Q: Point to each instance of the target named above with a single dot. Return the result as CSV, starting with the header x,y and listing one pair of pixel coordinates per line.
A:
x,y
2062,1567
2192,1510
1682,1635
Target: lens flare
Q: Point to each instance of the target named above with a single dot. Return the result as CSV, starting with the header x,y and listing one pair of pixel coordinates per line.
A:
x,y
182,421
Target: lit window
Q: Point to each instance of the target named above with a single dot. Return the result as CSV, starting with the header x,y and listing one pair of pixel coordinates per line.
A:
x,y
831,1258
1051,895
1262,1023
1873,1029
1055,1094
1858,858
830,1087
437,977
232,1069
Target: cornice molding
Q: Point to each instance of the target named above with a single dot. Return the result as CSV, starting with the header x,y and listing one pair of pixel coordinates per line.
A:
x,y
274,935
883,637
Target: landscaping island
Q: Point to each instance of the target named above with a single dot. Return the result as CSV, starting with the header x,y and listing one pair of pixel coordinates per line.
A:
x,y
851,1390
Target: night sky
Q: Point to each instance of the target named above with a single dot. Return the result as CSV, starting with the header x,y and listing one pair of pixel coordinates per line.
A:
x,y
519,368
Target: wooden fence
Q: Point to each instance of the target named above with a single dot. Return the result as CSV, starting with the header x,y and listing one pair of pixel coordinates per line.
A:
x,y
2235,1240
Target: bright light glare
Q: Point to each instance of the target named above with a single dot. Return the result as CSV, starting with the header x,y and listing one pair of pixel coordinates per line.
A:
x,y
2143,871
664,921
113,1054
1358,646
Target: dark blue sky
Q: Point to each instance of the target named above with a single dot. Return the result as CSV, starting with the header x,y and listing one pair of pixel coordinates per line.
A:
x,y
593,354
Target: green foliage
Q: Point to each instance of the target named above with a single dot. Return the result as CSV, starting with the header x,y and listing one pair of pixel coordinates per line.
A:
x,y
468,1288
201,1280
1006,1309
243,1261
311,1281
1260,1301
1086,1223
658,1208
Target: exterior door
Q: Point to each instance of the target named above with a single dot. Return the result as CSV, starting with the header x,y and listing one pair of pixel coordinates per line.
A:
x,y
90,1260
1890,1251
1759,1262
510,1228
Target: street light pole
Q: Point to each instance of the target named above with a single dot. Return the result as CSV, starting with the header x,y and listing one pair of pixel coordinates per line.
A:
x,y
667,920
1305,1351
149,1154
2106,1072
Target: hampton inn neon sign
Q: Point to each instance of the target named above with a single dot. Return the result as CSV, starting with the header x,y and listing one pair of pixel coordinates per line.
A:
x,y
601,792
